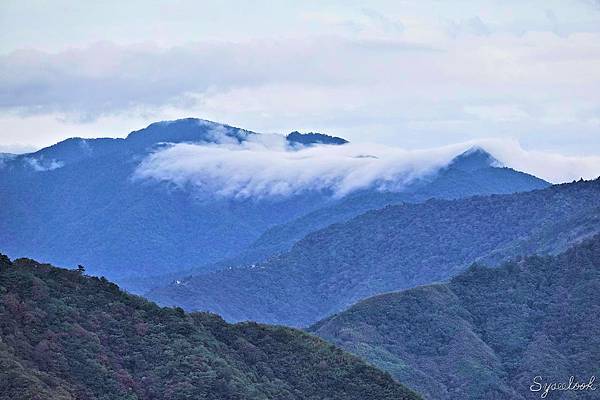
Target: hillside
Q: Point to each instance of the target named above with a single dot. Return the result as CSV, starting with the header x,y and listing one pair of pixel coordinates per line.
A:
x,y
475,172
471,173
64,335
487,333
394,248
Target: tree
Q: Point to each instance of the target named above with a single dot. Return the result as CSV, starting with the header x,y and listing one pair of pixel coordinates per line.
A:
x,y
4,261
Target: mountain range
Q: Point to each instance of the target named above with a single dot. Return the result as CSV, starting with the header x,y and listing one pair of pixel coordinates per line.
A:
x,y
442,270
474,172
488,332
81,202
390,249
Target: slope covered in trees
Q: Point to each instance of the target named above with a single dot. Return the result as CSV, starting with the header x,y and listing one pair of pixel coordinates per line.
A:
x,y
474,172
489,332
394,248
64,335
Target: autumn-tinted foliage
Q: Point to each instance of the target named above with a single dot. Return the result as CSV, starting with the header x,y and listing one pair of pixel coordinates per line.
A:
x,y
487,333
64,335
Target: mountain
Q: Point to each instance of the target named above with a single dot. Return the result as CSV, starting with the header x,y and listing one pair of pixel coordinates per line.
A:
x,y
313,138
64,335
78,202
390,249
488,332
474,159
474,172
5,157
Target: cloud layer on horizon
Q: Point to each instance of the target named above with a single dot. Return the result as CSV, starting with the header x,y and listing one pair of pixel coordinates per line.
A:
x,y
265,166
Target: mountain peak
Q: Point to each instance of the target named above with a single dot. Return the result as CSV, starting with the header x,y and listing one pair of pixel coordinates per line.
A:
x,y
186,130
473,159
313,138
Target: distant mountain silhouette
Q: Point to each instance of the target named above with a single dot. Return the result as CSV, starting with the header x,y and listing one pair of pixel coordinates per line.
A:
x,y
313,138
474,159
185,130
75,203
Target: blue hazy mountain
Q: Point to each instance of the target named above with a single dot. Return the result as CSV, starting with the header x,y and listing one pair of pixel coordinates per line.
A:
x,y
474,172
76,203
5,157
389,249
474,159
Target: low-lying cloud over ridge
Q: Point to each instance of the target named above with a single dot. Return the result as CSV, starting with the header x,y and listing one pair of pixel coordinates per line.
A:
x,y
258,170
266,166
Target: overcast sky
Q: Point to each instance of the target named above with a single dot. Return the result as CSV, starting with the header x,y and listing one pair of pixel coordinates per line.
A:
x,y
415,74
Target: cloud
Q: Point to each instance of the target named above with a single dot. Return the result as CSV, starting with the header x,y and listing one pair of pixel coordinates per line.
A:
x,y
500,112
471,26
104,78
40,165
16,148
594,3
107,79
387,25
551,166
266,166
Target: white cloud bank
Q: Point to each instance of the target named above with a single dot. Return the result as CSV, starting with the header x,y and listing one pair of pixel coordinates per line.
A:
x,y
268,167
412,74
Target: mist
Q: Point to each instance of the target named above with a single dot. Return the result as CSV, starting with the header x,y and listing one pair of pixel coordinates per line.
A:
x,y
267,166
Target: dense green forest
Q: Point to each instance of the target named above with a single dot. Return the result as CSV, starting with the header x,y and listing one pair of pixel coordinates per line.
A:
x,y
487,333
391,249
64,335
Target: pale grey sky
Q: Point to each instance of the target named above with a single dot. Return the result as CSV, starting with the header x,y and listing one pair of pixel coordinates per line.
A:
x,y
415,74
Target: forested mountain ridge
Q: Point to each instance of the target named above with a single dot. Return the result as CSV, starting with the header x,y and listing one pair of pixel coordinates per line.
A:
x,y
489,332
394,248
64,335
472,173
311,138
